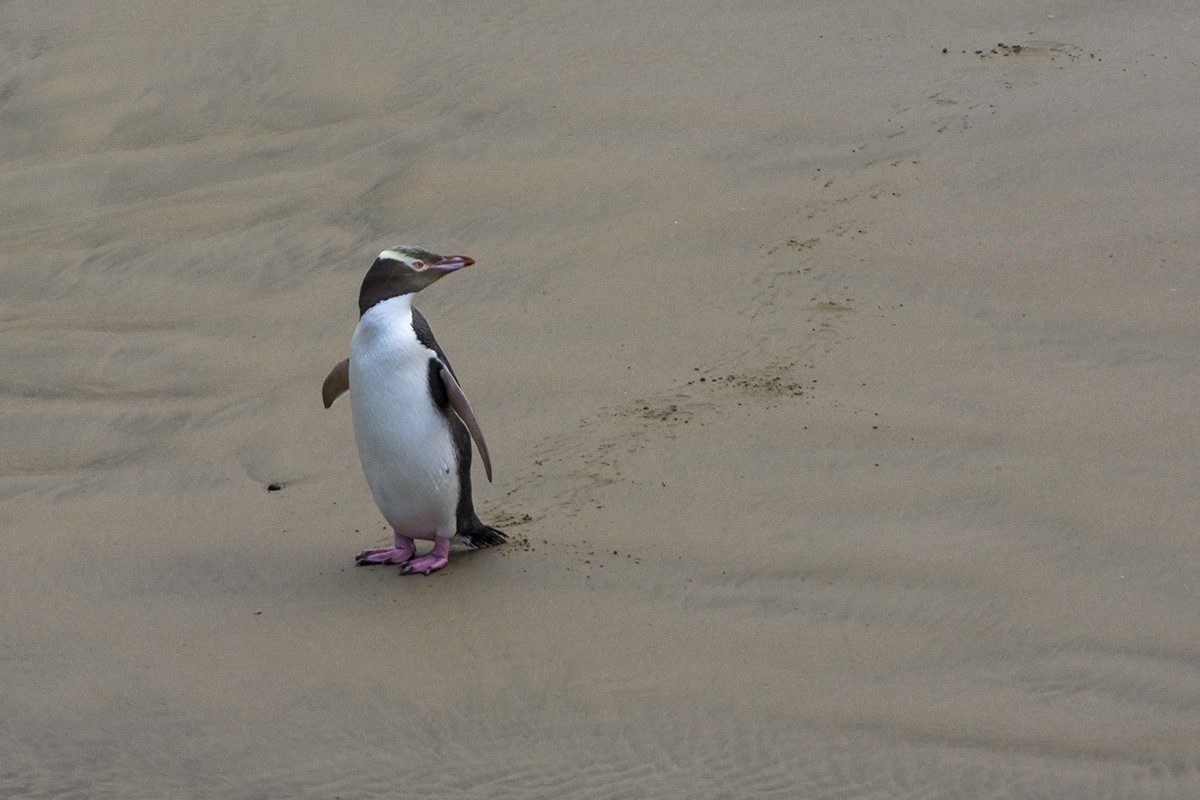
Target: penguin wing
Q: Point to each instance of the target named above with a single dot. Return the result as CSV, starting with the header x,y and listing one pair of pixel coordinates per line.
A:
x,y
454,393
337,382
462,407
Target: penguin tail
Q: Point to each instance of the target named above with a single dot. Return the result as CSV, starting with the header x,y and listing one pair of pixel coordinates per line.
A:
x,y
480,535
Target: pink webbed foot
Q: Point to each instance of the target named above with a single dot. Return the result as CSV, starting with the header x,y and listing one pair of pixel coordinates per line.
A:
x,y
399,553
434,560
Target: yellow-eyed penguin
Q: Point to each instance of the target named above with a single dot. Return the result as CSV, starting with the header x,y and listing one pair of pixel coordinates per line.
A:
x,y
412,422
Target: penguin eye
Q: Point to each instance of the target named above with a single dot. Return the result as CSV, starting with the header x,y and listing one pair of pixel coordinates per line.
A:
x,y
418,265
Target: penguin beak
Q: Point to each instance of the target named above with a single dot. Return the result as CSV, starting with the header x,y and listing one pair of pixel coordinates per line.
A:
x,y
451,263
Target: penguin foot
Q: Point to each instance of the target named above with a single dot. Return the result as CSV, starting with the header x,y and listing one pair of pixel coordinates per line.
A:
x,y
432,561
401,553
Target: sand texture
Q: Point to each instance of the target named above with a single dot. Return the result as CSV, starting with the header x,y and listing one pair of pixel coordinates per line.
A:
x,y
838,361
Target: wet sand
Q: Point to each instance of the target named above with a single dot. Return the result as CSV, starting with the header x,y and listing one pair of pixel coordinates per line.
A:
x,y
838,380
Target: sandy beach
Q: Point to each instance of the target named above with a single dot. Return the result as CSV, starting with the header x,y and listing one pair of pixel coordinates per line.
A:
x,y
838,366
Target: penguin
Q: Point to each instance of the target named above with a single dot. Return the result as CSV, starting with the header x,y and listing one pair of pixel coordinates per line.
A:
x,y
412,422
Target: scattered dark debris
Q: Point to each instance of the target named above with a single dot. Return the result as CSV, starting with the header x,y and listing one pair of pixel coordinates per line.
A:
x,y
760,384
1051,49
805,244
1005,49
518,542
506,519
662,414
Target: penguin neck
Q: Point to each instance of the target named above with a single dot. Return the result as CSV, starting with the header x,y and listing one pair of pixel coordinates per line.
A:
x,y
387,320
394,309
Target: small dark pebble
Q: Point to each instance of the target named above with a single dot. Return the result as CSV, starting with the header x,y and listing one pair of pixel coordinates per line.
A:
x,y
274,487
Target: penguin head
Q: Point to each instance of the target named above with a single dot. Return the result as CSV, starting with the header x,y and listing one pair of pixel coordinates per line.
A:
x,y
405,269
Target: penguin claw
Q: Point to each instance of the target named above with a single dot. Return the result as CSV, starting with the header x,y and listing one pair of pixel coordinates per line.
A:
x,y
383,555
432,561
423,565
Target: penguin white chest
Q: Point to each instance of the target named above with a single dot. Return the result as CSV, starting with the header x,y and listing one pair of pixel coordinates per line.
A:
x,y
404,440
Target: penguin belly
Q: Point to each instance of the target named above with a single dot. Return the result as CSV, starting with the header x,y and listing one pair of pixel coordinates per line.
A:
x,y
404,440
